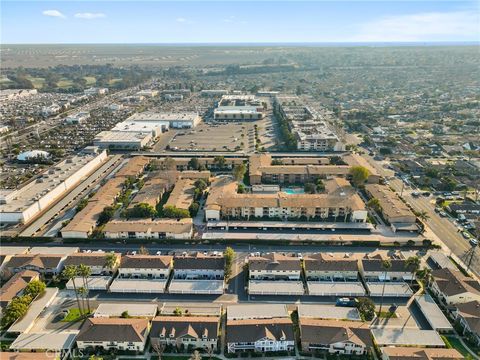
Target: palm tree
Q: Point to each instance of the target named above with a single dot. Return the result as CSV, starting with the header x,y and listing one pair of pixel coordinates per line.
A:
x,y
83,293
423,215
426,276
386,264
70,272
110,261
413,262
85,271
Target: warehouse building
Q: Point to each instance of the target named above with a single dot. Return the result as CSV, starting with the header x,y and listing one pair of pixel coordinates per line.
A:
x,y
24,204
176,120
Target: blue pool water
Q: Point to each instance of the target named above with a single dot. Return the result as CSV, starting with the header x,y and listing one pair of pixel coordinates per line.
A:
x,y
292,191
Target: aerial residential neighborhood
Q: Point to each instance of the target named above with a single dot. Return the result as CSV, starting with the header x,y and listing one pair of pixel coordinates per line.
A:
x,y
187,180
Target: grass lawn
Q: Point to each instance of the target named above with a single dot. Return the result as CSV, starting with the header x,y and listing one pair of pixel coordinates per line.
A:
x,y
73,315
36,81
91,80
65,83
113,81
456,344
386,315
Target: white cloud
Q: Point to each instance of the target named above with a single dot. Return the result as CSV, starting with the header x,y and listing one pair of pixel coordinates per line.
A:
x,y
53,13
181,20
458,25
89,15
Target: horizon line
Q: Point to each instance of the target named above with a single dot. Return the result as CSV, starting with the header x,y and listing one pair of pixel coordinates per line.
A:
x,y
270,43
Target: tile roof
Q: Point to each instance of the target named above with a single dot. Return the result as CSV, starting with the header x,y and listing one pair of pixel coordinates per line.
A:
x,y
145,262
113,329
252,330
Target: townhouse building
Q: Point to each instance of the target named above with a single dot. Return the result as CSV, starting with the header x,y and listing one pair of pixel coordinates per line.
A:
x,y
468,316
145,266
199,266
335,337
372,270
323,267
274,266
260,335
452,287
113,334
185,332
149,229
95,260
45,264
16,285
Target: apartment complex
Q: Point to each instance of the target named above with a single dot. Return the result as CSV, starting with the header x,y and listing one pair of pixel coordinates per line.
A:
x,y
311,131
340,202
393,209
149,229
264,169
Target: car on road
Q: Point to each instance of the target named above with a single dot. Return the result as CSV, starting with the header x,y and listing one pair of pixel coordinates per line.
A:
x,y
466,235
443,214
473,242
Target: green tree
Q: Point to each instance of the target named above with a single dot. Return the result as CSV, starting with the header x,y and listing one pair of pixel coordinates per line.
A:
x,y
81,205
320,186
413,263
359,175
17,308
200,184
366,308
241,189
386,264
193,164
374,204
169,164
193,209
106,215
85,272
229,256
125,315
178,311
173,212
34,288
141,211
219,162
309,188
110,261
239,171
70,272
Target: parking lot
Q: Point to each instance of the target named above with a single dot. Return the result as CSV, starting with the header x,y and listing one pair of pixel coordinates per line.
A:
x,y
223,136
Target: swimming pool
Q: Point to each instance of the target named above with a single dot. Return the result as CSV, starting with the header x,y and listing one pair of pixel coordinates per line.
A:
x,y
292,191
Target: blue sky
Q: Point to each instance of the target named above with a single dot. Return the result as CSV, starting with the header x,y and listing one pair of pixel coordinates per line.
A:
x,y
237,21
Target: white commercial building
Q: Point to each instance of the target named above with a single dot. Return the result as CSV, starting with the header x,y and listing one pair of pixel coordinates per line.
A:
x,y
177,120
22,205
77,118
239,107
132,126
133,140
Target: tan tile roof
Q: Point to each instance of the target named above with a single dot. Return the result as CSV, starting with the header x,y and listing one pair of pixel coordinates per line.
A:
x,y
38,260
113,329
145,262
16,284
89,259
173,226
391,204
333,331
182,194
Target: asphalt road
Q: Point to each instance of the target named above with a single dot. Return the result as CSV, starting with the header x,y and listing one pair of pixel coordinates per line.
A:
x,y
441,227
